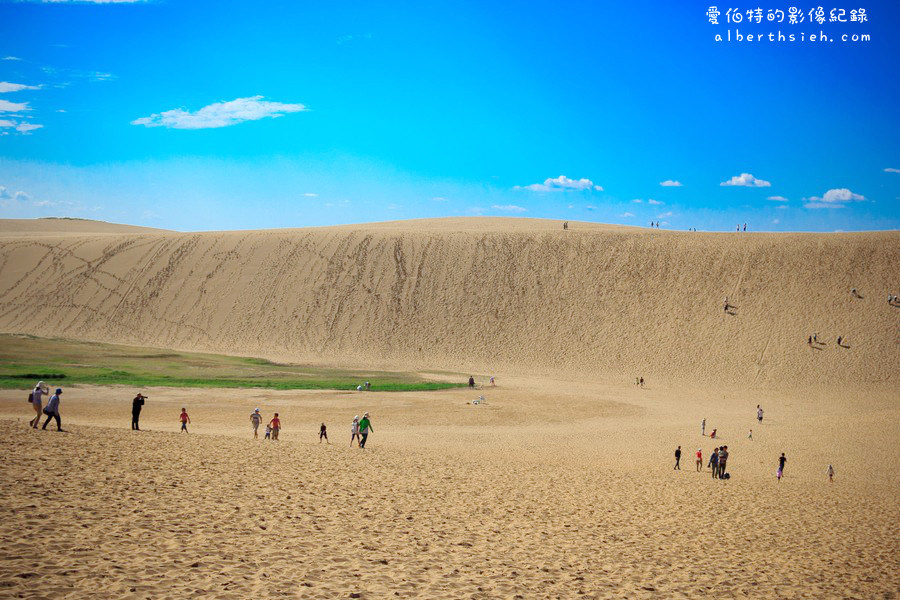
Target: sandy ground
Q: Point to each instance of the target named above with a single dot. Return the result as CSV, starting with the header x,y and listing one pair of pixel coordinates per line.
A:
x,y
551,489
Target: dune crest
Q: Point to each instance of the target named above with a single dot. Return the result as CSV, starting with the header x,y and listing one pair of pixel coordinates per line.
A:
x,y
481,294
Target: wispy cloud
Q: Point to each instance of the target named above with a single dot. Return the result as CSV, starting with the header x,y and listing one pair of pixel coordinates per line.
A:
x,y
439,199
91,1
664,215
10,58
654,202
12,107
670,183
311,195
777,199
561,184
834,198
509,208
6,86
346,39
23,127
220,114
627,215
746,180
891,170
638,201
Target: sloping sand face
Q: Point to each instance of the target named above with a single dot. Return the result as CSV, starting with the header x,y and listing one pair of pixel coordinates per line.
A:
x,y
487,295
560,485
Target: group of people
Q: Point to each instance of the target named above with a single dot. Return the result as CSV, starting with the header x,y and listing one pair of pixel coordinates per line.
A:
x,y
36,399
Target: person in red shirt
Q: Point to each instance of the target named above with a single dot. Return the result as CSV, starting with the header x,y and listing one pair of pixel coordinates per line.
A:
x,y
275,424
699,459
185,419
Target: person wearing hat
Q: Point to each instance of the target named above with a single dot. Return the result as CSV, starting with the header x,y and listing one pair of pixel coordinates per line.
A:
x,y
255,420
37,395
52,410
364,427
354,431
136,406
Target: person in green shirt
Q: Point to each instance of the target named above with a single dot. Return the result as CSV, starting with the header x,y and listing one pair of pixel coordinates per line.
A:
x,y
365,426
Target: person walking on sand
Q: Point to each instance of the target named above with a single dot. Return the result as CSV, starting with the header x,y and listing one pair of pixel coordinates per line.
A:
x,y
365,426
185,419
726,303
759,413
323,433
255,420
52,410
839,340
703,427
750,435
781,461
136,406
699,460
275,424
830,473
678,458
723,461
714,463
354,431
37,395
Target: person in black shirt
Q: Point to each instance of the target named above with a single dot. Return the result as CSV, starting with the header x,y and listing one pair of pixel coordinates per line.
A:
x,y
781,461
678,458
136,406
323,433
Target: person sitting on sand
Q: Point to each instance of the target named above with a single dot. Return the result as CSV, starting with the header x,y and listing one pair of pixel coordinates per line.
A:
x,y
52,410
255,420
275,424
714,463
354,431
699,460
185,419
641,380
37,395
323,433
712,435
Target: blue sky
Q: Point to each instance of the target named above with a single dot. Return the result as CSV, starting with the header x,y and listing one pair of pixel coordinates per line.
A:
x,y
236,115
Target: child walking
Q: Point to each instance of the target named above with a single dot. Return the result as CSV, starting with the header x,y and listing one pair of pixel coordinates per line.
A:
x,y
185,419
275,424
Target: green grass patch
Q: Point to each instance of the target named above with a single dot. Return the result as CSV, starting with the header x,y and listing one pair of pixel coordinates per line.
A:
x,y
26,359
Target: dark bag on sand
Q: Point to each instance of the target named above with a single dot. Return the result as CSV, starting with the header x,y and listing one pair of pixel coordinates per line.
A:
x,y
726,476
31,398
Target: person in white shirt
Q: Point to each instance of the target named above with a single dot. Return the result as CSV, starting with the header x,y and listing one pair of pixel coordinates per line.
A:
x,y
37,396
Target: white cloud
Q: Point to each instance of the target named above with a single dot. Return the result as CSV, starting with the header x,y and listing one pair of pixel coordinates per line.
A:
x,y
220,114
311,195
561,184
20,126
627,215
6,86
638,201
10,58
664,215
834,198
890,170
91,2
777,199
7,107
781,207
509,208
439,199
590,207
6,195
746,180
670,183
654,202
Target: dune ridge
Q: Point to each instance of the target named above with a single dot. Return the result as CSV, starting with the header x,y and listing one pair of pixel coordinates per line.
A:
x,y
481,294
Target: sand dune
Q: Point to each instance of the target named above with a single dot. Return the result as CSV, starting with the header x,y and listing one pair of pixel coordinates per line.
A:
x,y
65,226
486,295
